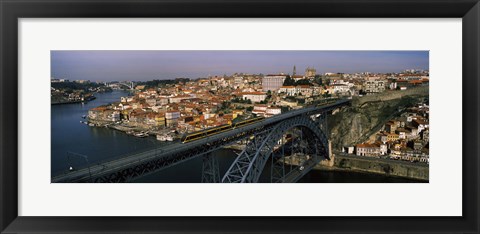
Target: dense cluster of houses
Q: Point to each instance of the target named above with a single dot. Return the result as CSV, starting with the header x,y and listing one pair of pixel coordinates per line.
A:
x,y
404,138
191,105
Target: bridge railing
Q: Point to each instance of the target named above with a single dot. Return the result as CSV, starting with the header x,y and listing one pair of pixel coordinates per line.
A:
x,y
165,151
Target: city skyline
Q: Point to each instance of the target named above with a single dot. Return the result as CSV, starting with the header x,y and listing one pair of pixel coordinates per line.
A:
x,y
149,65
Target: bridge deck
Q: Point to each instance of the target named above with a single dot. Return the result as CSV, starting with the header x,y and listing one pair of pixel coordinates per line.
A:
x,y
114,165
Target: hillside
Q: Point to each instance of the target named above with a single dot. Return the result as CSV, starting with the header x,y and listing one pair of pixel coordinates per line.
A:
x,y
368,114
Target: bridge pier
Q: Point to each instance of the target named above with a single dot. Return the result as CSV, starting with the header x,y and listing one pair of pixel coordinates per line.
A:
x,y
210,173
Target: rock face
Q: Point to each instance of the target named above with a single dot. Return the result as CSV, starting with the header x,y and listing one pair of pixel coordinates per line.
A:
x,y
354,124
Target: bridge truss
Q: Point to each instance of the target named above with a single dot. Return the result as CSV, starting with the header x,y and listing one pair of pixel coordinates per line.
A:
x,y
267,141
305,148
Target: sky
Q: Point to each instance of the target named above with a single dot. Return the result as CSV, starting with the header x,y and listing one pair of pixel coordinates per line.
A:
x,y
123,65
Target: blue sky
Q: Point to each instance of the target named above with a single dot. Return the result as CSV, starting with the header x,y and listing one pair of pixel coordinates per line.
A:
x,y
98,65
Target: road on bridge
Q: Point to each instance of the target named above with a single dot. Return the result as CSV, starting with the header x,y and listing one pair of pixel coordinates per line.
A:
x,y
114,165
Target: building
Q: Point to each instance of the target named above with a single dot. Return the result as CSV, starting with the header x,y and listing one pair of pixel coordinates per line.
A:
x,y
238,82
310,72
391,137
371,150
271,111
374,86
425,135
97,112
259,109
273,82
289,90
305,90
341,88
390,127
171,118
254,96
115,116
178,99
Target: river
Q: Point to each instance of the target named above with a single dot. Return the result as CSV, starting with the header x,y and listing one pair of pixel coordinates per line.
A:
x,y
99,144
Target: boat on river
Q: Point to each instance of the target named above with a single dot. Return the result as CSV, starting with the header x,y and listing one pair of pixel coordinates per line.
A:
x,y
161,137
140,134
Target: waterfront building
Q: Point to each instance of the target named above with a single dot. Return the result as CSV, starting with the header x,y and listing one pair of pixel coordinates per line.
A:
x,y
151,101
371,150
97,112
115,116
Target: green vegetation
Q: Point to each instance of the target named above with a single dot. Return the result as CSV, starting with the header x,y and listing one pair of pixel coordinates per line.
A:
x,y
303,82
240,100
291,82
70,87
288,81
161,83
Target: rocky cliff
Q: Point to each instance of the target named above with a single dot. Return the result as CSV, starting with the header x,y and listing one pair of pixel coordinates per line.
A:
x,y
366,115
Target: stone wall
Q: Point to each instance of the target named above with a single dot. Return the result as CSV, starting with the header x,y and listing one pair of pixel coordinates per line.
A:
x,y
392,94
410,170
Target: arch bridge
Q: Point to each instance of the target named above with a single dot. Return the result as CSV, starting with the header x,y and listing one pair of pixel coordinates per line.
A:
x,y
282,148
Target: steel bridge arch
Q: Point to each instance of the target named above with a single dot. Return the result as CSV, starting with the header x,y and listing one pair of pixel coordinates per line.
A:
x,y
250,163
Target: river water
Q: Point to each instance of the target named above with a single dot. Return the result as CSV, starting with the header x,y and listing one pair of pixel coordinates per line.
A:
x,y
70,138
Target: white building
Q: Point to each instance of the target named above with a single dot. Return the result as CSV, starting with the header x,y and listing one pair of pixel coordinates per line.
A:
x,y
254,96
289,90
260,109
340,88
115,116
271,111
374,86
273,82
305,90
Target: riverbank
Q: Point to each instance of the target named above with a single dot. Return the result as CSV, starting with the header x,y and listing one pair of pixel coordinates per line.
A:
x,y
370,165
61,102
388,167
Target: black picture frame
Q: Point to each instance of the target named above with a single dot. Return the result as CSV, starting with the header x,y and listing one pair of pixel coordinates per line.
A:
x,y
11,11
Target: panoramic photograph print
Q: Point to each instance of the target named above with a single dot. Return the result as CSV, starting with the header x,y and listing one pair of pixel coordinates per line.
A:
x,y
239,116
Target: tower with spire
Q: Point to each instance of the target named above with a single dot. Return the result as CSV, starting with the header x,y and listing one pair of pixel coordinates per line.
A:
x,y
294,71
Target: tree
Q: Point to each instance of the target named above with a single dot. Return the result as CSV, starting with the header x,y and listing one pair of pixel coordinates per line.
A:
x,y
318,79
303,82
250,108
288,81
